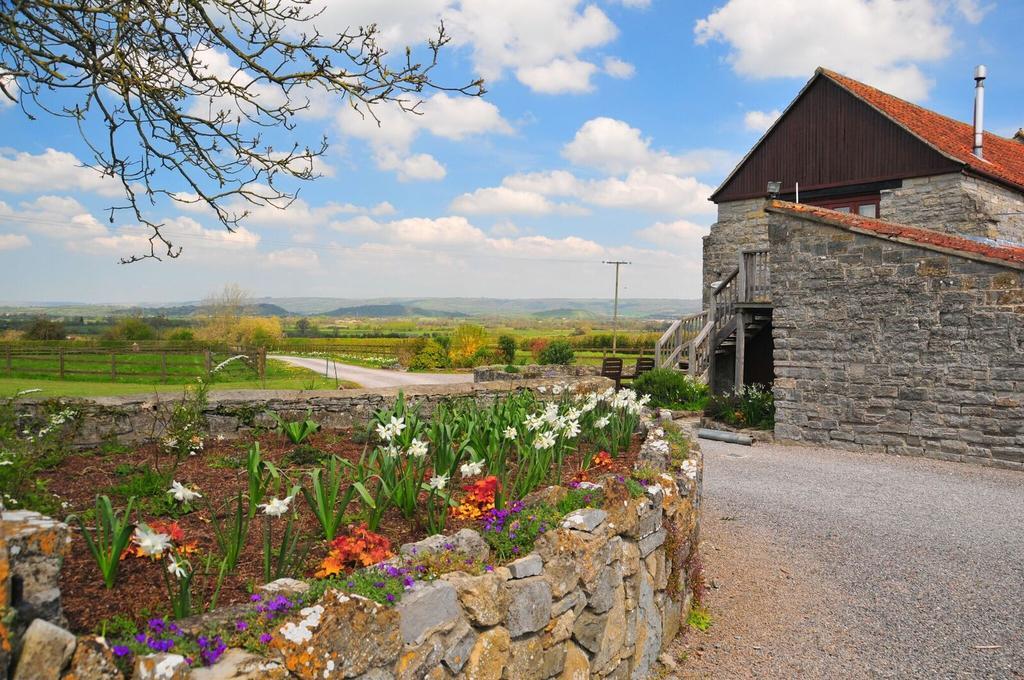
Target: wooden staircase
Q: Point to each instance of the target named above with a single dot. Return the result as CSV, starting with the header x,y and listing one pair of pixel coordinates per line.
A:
x,y
740,307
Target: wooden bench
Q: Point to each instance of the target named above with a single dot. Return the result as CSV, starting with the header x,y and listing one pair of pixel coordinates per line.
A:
x,y
611,367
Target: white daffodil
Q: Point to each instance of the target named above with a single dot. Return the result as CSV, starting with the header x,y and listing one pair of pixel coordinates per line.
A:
x,y
397,425
176,569
557,389
182,493
151,543
573,414
551,413
534,422
571,428
510,433
602,422
385,432
418,448
542,389
472,468
544,441
277,506
438,482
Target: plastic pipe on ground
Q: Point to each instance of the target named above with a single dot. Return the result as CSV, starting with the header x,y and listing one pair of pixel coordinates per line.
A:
x,y
722,436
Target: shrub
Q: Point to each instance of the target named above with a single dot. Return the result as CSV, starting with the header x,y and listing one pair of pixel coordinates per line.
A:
x,y
182,335
482,357
130,330
672,389
536,346
43,329
467,340
507,348
752,406
557,352
431,356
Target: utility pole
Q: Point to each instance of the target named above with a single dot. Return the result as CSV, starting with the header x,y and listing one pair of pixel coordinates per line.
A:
x,y
615,313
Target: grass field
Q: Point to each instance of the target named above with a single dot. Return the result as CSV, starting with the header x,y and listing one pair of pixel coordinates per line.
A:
x,y
283,377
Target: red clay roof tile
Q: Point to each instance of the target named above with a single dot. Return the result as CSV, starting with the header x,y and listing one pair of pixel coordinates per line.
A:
x,y
1003,158
883,229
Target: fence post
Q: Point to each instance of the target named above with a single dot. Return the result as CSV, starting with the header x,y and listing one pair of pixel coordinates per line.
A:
x,y
61,363
113,366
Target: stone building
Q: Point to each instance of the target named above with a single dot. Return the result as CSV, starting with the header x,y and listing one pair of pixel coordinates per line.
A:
x,y
868,263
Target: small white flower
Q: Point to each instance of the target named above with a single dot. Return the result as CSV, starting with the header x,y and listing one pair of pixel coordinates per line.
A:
x,y
571,428
544,441
385,432
602,422
397,425
542,389
176,569
151,544
220,437
418,448
510,432
438,482
472,469
277,506
556,390
573,414
534,422
551,413
391,450
182,493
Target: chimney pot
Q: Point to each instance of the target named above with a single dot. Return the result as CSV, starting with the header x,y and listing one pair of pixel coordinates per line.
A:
x,y
980,73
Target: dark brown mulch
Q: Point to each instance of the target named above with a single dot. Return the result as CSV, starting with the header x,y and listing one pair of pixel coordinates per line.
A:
x,y
140,592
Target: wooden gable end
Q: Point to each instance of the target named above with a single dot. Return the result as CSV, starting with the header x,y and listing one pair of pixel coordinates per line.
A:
x,y
829,138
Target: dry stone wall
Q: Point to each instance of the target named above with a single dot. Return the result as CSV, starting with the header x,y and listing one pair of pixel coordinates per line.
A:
x,y
885,346
956,204
741,225
140,419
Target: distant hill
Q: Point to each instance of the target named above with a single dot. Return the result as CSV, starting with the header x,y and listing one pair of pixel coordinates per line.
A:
x,y
391,311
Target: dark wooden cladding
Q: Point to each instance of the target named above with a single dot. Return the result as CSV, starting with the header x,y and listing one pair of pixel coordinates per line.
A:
x,y
827,138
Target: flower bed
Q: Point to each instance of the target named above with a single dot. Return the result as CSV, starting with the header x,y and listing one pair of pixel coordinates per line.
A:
x,y
228,520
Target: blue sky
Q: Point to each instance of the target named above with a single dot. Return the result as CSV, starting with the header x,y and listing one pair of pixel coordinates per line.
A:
x,y
605,127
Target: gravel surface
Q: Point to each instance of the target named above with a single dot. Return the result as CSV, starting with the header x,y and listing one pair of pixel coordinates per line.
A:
x,y
839,565
371,378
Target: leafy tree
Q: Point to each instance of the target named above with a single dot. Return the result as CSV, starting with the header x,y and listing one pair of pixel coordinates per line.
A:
x,y
467,339
507,348
306,328
432,355
141,81
42,328
130,329
557,352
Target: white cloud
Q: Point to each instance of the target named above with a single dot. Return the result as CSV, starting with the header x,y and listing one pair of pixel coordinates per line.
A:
x,y
182,231
58,217
443,230
681,235
972,10
508,201
882,42
616,147
760,121
635,4
454,118
561,76
618,68
14,241
294,258
23,173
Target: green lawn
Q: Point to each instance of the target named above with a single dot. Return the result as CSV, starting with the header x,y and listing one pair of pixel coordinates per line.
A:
x,y
284,378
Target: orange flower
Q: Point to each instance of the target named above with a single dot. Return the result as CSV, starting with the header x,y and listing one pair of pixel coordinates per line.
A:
x,y
360,548
602,461
479,498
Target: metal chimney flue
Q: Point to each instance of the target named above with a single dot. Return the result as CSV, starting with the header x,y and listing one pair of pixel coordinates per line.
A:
x,y
980,74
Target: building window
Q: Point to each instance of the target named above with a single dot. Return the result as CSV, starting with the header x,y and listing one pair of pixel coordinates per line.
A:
x,y
865,206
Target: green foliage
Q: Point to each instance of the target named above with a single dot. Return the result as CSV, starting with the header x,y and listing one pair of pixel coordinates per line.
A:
x,y
432,356
283,558
182,335
112,534
42,328
304,455
147,485
672,389
232,531
297,431
634,488
183,434
326,498
371,583
29,445
130,329
557,352
515,535
511,368
752,406
507,348
466,341
699,618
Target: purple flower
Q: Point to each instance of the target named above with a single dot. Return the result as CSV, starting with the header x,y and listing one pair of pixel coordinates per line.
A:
x,y
156,625
121,650
391,598
255,597
449,546
488,568
408,581
140,638
351,584
241,625
173,627
265,638
378,584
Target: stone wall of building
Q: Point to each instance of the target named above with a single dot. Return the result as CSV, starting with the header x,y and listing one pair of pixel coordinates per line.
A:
x,y
601,596
892,347
957,204
139,419
741,225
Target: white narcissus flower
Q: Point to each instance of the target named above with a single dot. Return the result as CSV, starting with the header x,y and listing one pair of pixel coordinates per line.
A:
x,y
602,422
277,506
551,413
418,448
510,432
182,493
176,569
385,432
438,482
397,425
472,468
534,422
151,543
556,390
544,441
572,428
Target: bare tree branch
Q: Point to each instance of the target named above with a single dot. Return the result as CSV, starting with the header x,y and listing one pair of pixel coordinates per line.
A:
x,y
143,70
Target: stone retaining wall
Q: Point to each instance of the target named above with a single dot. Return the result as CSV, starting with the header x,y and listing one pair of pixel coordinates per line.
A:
x,y
601,596
533,372
880,345
139,419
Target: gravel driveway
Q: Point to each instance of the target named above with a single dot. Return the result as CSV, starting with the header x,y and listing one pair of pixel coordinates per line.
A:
x,y
838,565
371,378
